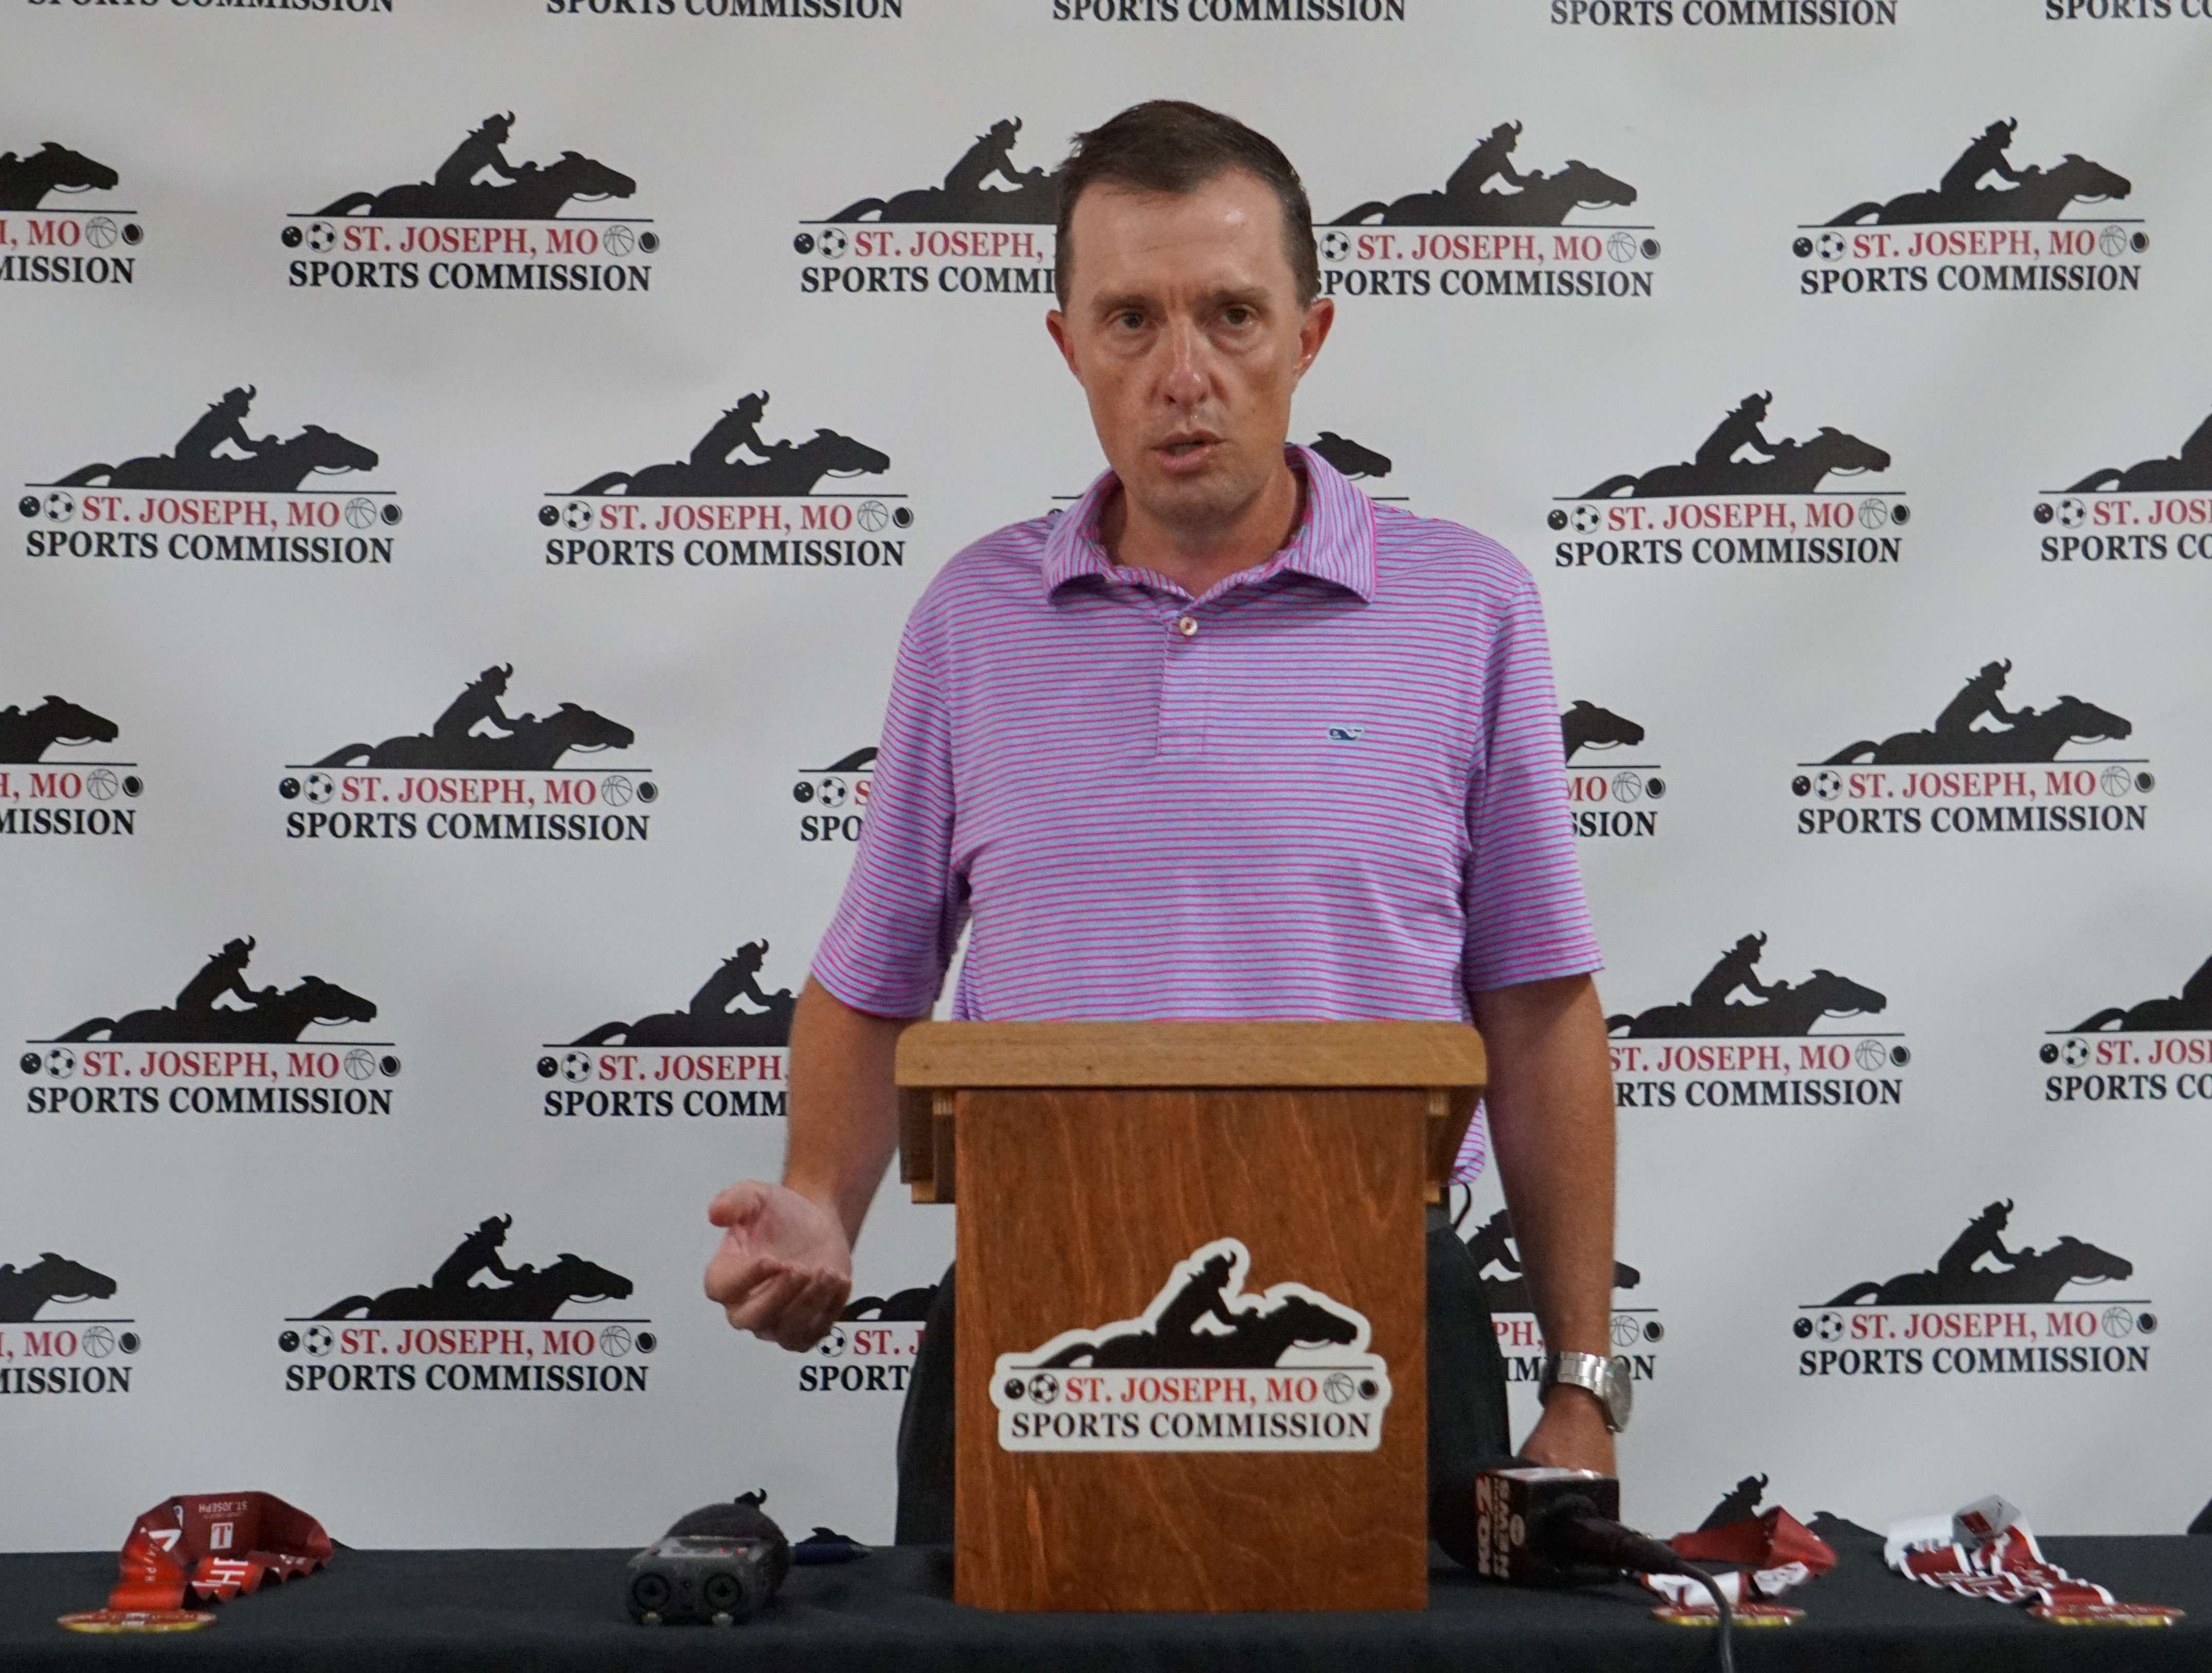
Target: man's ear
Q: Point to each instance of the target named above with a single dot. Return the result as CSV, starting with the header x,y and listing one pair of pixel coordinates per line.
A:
x,y
1313,330
1056,326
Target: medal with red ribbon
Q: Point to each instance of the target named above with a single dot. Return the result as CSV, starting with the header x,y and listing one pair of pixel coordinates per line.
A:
x,y
1771,1554
1986,1551
205,1548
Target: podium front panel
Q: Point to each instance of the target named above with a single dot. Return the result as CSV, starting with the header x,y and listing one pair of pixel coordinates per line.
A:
x,y
1191,1355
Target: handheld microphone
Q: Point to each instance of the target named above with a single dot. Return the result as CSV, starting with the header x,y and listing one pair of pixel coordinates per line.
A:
x,y
1534,1524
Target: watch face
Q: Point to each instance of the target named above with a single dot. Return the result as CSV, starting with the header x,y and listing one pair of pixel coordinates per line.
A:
x,y
1620,1396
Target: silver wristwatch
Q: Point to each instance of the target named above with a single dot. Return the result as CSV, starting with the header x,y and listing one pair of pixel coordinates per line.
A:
x,y
1607,1379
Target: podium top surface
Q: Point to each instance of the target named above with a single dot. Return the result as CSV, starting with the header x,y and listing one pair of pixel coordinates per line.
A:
x,y
1373,1054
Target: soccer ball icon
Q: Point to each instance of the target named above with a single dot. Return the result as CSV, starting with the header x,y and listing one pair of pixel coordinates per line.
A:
x,y
61,1062
321,236
2072,513
1335,245
1829,784
60,506
1588,519
577,514
1044,1387
834,792
1829,1327
2074,1054
832,243
1832,247
575,1066
319,786
832,1347
618,240
318,1341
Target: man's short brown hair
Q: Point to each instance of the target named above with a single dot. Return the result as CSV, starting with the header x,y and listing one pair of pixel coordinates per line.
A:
x,y
1170,145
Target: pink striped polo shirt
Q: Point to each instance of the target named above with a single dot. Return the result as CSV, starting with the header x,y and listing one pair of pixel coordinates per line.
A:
x,y
1333,786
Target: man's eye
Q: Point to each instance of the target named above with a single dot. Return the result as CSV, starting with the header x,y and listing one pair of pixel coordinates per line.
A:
x,y
1237,316
1129,320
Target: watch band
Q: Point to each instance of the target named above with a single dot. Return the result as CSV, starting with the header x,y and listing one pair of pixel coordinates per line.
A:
x,y
1597,1375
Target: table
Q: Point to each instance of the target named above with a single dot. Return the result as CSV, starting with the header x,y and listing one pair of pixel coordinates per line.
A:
x,y
547,1611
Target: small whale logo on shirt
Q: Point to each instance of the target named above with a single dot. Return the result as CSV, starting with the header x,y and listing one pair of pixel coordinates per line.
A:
x,y
1347,734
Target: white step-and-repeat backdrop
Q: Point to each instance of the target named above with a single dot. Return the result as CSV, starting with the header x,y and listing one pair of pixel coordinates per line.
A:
x,y
469,467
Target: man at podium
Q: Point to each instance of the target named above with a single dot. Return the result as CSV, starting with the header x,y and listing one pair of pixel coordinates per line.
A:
x,y
1225,739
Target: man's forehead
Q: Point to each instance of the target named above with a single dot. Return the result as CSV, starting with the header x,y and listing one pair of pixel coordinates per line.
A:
x,y
1226,233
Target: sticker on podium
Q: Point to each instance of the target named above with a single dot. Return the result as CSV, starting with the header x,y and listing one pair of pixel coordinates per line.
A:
x,y
1205,1368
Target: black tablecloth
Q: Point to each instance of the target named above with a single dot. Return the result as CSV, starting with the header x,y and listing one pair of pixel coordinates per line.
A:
x,y
547,1611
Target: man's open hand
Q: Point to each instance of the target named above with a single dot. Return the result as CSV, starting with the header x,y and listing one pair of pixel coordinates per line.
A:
x,y
784,1268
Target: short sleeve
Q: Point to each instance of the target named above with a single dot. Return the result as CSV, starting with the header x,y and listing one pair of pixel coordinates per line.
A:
x,y
892,939
1527,918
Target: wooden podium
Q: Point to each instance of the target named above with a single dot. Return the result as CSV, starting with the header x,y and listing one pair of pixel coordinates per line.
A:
x,y
1191,1350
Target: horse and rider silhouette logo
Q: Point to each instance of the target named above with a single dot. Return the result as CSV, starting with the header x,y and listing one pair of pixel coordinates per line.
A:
x,y
1977,1268
522,1291
26,180
1349,457
2189,470
1486,190
1740,1504
51,1277
983,187
730,1009
261,1016
255,464
1202,1320
713,468
1587,727
1737,458
26,735
526,191
2031,192
1957,737
455,742
907,1306
1775,1009
2188,1011
1497,1260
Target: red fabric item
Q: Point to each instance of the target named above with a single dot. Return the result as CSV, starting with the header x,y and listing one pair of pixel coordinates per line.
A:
x,y
2010,1569
215,1546
1758,1542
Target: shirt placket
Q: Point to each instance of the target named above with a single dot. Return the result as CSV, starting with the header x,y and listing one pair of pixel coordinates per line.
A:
x,y
1186,650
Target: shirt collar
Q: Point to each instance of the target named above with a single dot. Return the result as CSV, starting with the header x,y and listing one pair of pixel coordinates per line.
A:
x,y
1334,541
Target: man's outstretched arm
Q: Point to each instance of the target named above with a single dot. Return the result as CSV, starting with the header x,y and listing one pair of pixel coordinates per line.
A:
x,y
784,1268
1550,1101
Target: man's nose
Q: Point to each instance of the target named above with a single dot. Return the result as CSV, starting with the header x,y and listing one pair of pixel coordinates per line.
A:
x,y
1185,380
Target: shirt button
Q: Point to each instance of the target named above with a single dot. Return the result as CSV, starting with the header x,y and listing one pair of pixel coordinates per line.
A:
x,y
1187,626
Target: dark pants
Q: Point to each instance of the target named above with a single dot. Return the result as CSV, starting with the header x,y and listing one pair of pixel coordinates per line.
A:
x,y
1467,1402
